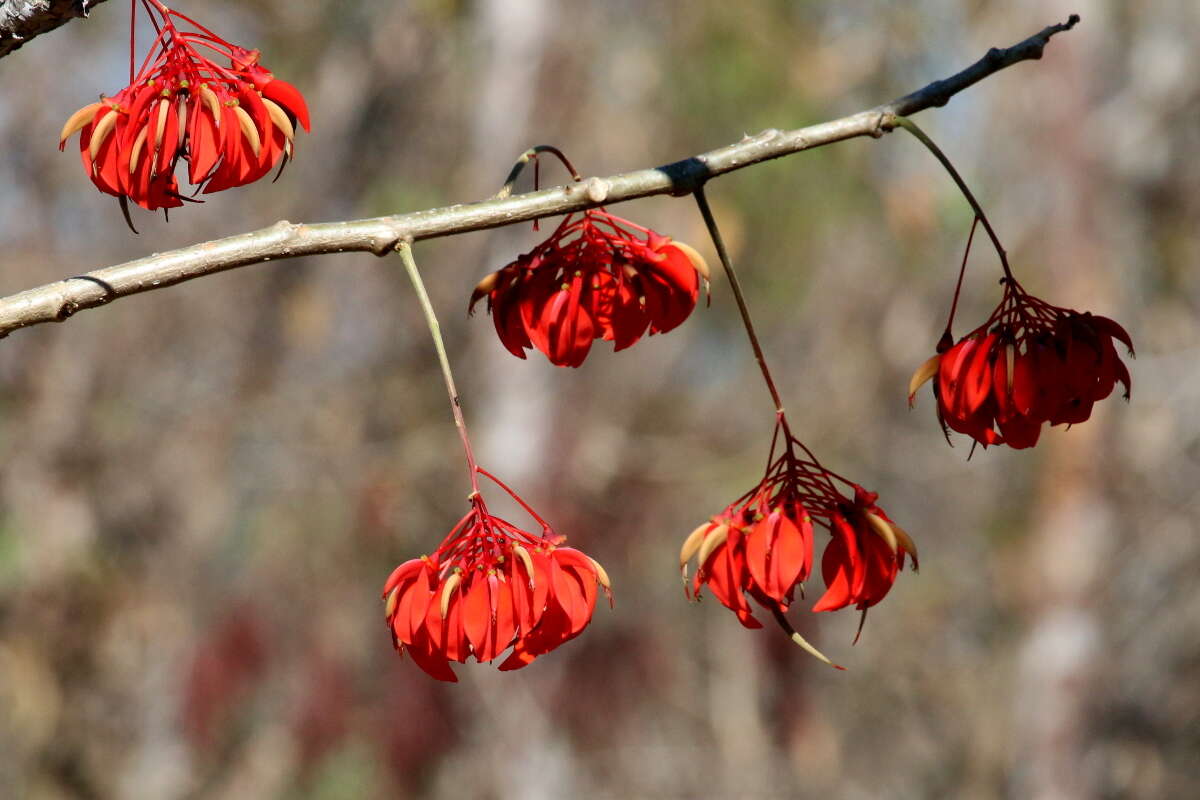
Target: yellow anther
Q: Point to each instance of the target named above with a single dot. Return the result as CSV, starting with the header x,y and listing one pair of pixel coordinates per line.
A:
x,y
76,121
923,373
905,541
451,584
280,118
136,152
101,132
526,559
712,541
690,545
698,262
248,128
884,529
601,574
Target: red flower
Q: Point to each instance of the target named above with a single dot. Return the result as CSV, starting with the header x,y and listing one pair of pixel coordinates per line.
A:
x,y
864,557
231,124
1030,363
597,277
760,547
489,586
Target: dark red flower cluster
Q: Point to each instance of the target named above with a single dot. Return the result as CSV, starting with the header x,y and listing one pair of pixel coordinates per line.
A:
x,y
489,586
231,124
1028,364
597,277
761,546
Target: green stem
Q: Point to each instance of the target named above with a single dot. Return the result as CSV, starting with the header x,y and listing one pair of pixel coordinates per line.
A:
x,y
435,331
727,263
912,128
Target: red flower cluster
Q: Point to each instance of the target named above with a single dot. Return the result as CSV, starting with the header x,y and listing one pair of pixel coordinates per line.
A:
x,y
597,277
761,545
1030,363
231,124
490,585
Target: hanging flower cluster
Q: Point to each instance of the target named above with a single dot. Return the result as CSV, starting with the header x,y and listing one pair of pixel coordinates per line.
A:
x,y
597,277
489,586
232,123
760,547
1028,364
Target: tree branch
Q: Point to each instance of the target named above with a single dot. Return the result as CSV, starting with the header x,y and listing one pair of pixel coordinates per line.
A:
x,y
58,301
21,20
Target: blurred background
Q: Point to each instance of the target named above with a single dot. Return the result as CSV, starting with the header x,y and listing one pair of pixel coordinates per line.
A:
x,y
204,488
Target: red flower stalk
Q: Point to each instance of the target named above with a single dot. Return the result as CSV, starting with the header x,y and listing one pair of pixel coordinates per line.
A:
x,y
760,547
231,124
489,586
597,277
1029,363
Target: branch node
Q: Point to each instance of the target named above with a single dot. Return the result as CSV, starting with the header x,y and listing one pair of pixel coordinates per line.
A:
x,y
883,124
65,311
597,190
387,246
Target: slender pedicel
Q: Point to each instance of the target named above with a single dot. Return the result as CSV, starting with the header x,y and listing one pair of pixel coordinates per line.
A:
x,y
915,130
435,332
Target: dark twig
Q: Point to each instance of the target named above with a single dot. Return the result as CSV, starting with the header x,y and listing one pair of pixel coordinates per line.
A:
x,y
939,93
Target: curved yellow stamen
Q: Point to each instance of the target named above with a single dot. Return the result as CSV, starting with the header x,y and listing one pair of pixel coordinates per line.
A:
x,y
101,132
905,541
76,121
136,154
451,584
712,541
690,545
884,529
280,118
248,129
526,559
800,640
210,99
693,256
601,574
923,373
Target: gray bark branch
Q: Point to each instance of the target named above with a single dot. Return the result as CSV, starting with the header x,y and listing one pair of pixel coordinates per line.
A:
x,y
21,20
58,301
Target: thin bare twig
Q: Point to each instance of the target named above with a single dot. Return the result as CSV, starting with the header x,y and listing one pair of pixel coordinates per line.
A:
x,y
58,301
